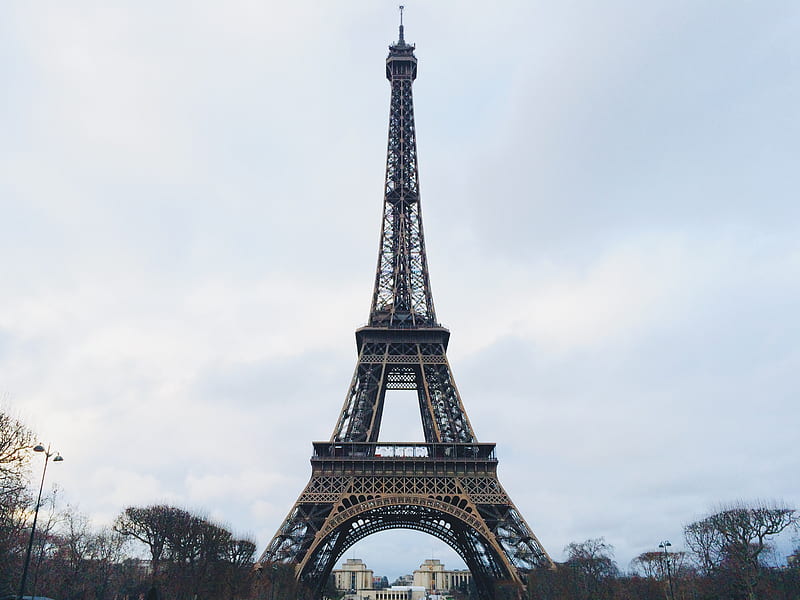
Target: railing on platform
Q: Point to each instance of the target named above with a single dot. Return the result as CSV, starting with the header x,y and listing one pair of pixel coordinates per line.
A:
x,y
405,450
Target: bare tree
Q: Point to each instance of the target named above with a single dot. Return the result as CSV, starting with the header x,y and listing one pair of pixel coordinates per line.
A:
x,y
15,444
650,565
45,534
78,561
238,555
107,552
73,549
653,564
191,556
196,549
732,542
276,581
593,568
151,525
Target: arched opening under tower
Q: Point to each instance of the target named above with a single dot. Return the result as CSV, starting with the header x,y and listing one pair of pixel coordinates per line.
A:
x,y
448,518
399,552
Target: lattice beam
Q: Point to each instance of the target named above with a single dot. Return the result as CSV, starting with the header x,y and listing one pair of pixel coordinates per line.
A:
x,y
447,486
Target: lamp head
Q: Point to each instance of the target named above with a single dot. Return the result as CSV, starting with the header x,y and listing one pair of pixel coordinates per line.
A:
x,y
58,458
38,448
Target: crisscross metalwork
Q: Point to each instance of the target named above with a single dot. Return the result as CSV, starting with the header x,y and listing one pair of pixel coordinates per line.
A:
x,y
446,486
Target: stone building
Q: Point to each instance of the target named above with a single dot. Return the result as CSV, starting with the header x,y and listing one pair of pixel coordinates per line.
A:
x,y
353,576
436,579
396,592
431,579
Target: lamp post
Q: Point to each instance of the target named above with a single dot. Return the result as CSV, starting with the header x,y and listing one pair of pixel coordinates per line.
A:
x,y
56,458
665,544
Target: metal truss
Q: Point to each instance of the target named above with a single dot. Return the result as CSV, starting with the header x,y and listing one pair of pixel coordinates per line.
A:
x,y
450,491
402,296
446,486
417,362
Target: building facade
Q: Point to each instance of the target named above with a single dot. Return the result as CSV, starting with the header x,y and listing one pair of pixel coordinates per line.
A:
x,y
396,592
430,579
354,576
436,579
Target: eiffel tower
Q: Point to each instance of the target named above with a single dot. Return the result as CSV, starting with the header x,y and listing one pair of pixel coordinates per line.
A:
x,y
446,486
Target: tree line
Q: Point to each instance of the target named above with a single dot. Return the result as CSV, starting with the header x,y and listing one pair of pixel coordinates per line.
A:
x,y
728,556
149,552
166,552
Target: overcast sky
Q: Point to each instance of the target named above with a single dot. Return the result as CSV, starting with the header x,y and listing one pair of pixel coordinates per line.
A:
x,y
191,197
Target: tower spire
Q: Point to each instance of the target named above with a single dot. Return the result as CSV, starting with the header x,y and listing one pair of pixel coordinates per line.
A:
x,y
402,297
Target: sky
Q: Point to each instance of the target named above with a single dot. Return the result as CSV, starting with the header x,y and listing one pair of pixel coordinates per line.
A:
x,y
191,197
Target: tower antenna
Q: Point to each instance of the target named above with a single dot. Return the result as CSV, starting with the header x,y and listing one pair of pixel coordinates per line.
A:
x,y
401,41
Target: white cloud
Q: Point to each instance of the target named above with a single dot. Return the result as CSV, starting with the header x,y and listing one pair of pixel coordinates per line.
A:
x,y
245,483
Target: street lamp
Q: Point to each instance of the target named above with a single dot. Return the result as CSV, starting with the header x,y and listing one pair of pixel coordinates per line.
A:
x,y
56,458
665,544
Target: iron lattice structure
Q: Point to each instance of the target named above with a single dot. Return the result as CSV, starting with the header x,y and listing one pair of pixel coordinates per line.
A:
x,y
446,486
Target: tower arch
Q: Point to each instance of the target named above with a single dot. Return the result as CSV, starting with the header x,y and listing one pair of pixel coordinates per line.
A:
x,y
444,520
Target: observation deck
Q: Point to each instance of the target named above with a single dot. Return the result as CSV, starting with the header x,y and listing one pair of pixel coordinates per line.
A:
x,y
404,458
